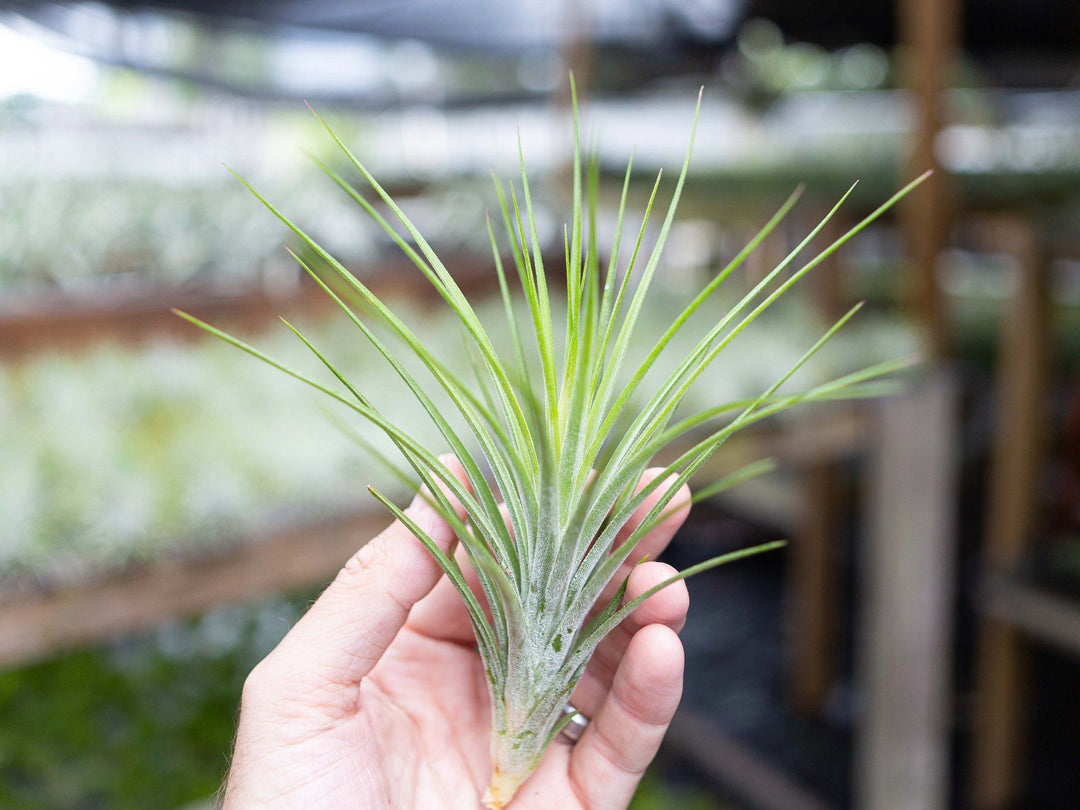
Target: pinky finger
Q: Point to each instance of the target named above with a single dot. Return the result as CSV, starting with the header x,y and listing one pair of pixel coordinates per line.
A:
x,y
624,736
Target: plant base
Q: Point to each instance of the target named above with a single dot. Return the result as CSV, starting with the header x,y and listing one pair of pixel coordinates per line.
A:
x,y
502,788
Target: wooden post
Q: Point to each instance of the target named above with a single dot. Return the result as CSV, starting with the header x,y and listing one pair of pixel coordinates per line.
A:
x,y
906,604
929,32
813,592
576,52
813,587
826,286
1018,452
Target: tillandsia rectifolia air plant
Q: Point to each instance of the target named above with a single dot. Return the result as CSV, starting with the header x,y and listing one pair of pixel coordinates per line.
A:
x,y
563,435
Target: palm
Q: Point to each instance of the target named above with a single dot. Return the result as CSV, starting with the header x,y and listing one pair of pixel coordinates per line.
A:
x,y
417,737
428,700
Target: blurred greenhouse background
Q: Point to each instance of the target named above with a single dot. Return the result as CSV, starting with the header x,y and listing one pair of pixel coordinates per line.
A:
x,y
168,507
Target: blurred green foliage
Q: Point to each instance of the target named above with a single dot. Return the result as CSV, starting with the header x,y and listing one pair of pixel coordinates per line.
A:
x,y
148,722
133,725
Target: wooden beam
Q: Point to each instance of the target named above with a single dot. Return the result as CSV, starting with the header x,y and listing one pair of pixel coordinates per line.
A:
x,y
77,325
34,627
35,623
929,32
1040,614
903,668
1012,497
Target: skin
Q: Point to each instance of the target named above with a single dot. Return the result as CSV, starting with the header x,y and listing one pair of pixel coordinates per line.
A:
x,y
377,698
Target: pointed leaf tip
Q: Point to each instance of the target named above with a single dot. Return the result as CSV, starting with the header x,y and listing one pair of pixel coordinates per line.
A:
x,y
319,118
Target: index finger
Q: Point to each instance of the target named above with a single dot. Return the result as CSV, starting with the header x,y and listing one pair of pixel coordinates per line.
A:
x,y
349,627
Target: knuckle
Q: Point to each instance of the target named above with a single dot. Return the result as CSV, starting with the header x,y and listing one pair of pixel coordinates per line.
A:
x,y
370,570
614,751
373,558
649,708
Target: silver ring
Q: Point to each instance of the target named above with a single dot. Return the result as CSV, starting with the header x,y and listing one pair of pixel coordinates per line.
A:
x,y
576,727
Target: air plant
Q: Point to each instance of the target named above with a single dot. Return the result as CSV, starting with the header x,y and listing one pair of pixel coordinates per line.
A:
x,y
562,437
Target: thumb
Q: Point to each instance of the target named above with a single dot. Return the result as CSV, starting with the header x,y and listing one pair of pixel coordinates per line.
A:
x,y
345,633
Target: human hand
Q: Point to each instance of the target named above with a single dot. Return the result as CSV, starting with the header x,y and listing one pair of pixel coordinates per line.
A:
x,y
377,697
